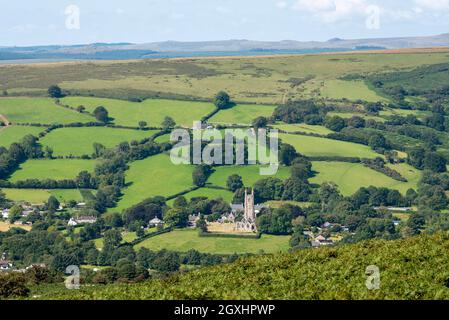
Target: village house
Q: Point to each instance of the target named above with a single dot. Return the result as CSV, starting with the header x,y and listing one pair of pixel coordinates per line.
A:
x,y
193,219
81,220
5,265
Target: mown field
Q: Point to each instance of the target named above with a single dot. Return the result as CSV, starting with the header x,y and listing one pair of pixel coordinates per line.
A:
x,y
79,141
39,110
350,177
314,146
154,176
411,269
39,196
58,169
242,114
184,240
351,90
250,174
11,134
209,193
302,127
153,111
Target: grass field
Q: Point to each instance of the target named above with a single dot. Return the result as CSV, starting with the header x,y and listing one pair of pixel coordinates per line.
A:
x,y
347,115
313,146
79,141
184,240
39,196
351,90
154,176
39,110
242,114
153,111
209,193
58,169
13,134
302,127
249,174
351,176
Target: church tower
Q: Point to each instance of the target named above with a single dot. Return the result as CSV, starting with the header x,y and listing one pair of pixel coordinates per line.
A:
x,y
250,214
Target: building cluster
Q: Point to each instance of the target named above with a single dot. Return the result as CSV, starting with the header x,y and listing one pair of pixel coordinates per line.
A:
x,y
243,216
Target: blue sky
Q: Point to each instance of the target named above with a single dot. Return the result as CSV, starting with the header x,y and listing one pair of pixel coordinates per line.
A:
x,y
44,21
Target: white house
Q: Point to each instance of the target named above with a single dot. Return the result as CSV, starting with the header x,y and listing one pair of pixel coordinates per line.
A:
x,y
5,213
156,222
81,220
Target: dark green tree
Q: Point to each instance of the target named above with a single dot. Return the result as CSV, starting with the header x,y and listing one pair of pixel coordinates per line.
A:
x,y
55,91
234,182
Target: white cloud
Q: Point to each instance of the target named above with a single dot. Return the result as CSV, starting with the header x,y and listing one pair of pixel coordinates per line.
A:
x,y
435,5
333,10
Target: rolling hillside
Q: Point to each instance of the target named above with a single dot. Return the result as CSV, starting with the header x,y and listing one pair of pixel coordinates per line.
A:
x,y
414,268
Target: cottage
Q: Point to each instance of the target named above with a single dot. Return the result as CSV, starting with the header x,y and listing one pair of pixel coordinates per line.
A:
x,y
156,222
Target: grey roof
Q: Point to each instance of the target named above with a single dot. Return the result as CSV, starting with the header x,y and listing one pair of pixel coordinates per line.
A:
x,y
237,207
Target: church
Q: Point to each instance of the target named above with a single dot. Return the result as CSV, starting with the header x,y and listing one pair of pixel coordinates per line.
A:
x,y
250,211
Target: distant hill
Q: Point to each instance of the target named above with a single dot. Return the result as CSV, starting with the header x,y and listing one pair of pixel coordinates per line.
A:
x,y
167,49
414,268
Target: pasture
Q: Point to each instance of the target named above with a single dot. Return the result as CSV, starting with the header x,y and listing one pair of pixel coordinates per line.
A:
x,y
154,176
250,174
11,134
242,114
58,169
39,110
351,90
208,193
302,127
153,111
79,141
39,196
185,240
315,146
350,177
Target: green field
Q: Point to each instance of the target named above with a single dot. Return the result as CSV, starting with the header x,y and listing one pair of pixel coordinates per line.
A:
x,y
242,114
39,110
184,240
314,146
209,193
79,141
347,115
153,111
58,169
302,127
154,176
249,174
351,90
350,177
39,196
13,134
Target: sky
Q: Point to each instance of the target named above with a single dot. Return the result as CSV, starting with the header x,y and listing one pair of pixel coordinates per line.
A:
x,y
45,22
